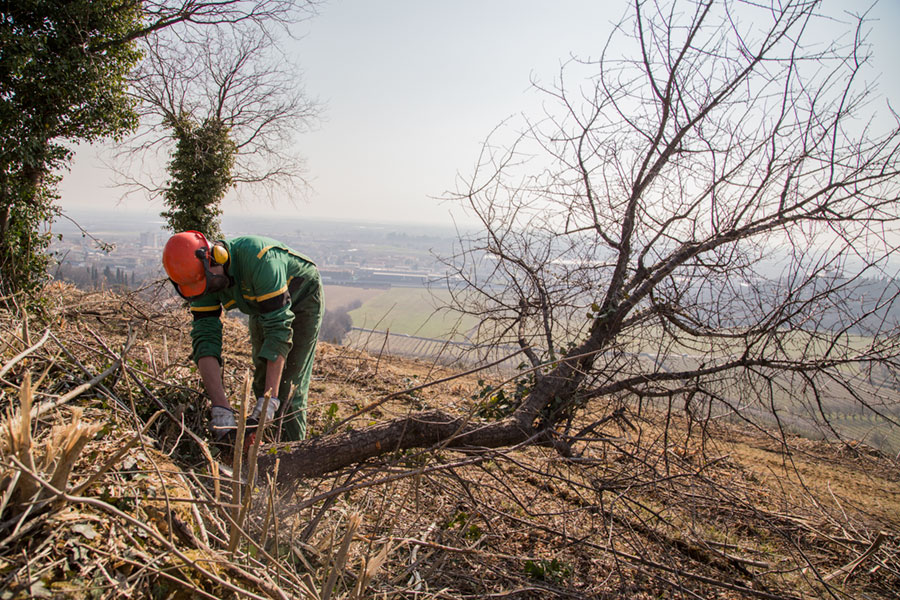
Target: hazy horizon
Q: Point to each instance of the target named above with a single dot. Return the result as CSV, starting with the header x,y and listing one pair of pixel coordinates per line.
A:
x,y
232,224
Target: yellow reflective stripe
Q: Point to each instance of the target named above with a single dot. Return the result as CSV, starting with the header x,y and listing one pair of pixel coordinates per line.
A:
x,y
266,296
229,304
205,308
263,251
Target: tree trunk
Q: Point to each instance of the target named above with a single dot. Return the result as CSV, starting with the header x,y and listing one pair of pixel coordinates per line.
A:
x,y
318,456
5,212
315,457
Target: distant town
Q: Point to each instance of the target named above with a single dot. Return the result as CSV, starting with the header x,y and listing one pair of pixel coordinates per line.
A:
x,y
104,249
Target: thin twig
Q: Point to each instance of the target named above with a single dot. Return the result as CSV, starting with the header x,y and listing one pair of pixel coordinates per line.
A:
x,y
24,353
44,407
384,399
854,564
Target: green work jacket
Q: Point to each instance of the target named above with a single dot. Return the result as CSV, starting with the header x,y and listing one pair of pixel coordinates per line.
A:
x,y
267,279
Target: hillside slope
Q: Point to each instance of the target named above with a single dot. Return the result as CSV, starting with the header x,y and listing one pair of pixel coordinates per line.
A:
x,y
646,507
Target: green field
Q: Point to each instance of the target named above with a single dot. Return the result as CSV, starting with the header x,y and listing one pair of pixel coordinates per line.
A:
x,y
413,311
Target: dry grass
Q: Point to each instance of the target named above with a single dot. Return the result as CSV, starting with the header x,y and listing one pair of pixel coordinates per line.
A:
x,y
126,501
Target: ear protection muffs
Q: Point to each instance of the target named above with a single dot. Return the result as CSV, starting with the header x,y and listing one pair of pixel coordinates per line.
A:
x,y
219,254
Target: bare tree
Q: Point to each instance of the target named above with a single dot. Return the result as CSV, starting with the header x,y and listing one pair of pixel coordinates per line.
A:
x,y
234,78
187,16
64,79
694,222
704,222
710,217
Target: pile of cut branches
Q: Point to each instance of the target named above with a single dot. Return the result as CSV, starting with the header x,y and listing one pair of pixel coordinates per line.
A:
x,y
108,488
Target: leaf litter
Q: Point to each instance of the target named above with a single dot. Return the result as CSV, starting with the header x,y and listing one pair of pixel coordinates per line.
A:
x,y
110,490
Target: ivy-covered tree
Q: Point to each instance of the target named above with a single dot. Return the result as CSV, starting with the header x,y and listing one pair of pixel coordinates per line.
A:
x,y
65,70
61,80
222,109
200,172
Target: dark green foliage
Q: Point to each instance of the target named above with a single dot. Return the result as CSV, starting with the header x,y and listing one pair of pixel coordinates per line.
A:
x,y
548,570
200,172
496,404
336,323
25,235
465,522
62,79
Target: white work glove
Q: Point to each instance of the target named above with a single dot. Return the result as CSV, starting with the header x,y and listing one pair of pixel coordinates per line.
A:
x,y
270,413
222,421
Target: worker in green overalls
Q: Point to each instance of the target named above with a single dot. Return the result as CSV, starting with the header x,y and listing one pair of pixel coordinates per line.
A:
x,y
281,291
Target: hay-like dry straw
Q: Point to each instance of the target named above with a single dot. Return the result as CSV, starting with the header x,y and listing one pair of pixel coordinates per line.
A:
x,y
626,513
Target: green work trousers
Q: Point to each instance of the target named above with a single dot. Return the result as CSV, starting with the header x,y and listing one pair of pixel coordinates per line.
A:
x,y
294,387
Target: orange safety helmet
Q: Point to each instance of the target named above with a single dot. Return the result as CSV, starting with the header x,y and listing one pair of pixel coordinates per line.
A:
x,y
186,260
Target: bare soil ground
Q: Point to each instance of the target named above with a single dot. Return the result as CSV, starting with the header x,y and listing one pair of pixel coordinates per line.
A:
x,y
646,508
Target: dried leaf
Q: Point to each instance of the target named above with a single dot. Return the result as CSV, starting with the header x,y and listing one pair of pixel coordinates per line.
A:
x,y
39,590
85,529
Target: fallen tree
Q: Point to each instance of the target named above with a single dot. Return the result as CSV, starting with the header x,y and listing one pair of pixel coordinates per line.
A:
x,y
709,197
630,516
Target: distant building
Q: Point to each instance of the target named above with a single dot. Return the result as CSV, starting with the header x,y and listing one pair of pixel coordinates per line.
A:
x,y
399,279
367,276
337,276
150,239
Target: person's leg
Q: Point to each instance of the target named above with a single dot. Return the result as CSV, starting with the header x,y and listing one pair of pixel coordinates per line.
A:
x,y
298,366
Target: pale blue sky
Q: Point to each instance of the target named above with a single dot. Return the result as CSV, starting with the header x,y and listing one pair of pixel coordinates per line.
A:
x,y
411,87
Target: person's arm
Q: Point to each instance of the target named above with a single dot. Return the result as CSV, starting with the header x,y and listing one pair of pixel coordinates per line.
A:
x,y
270,286
211,374
273,376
